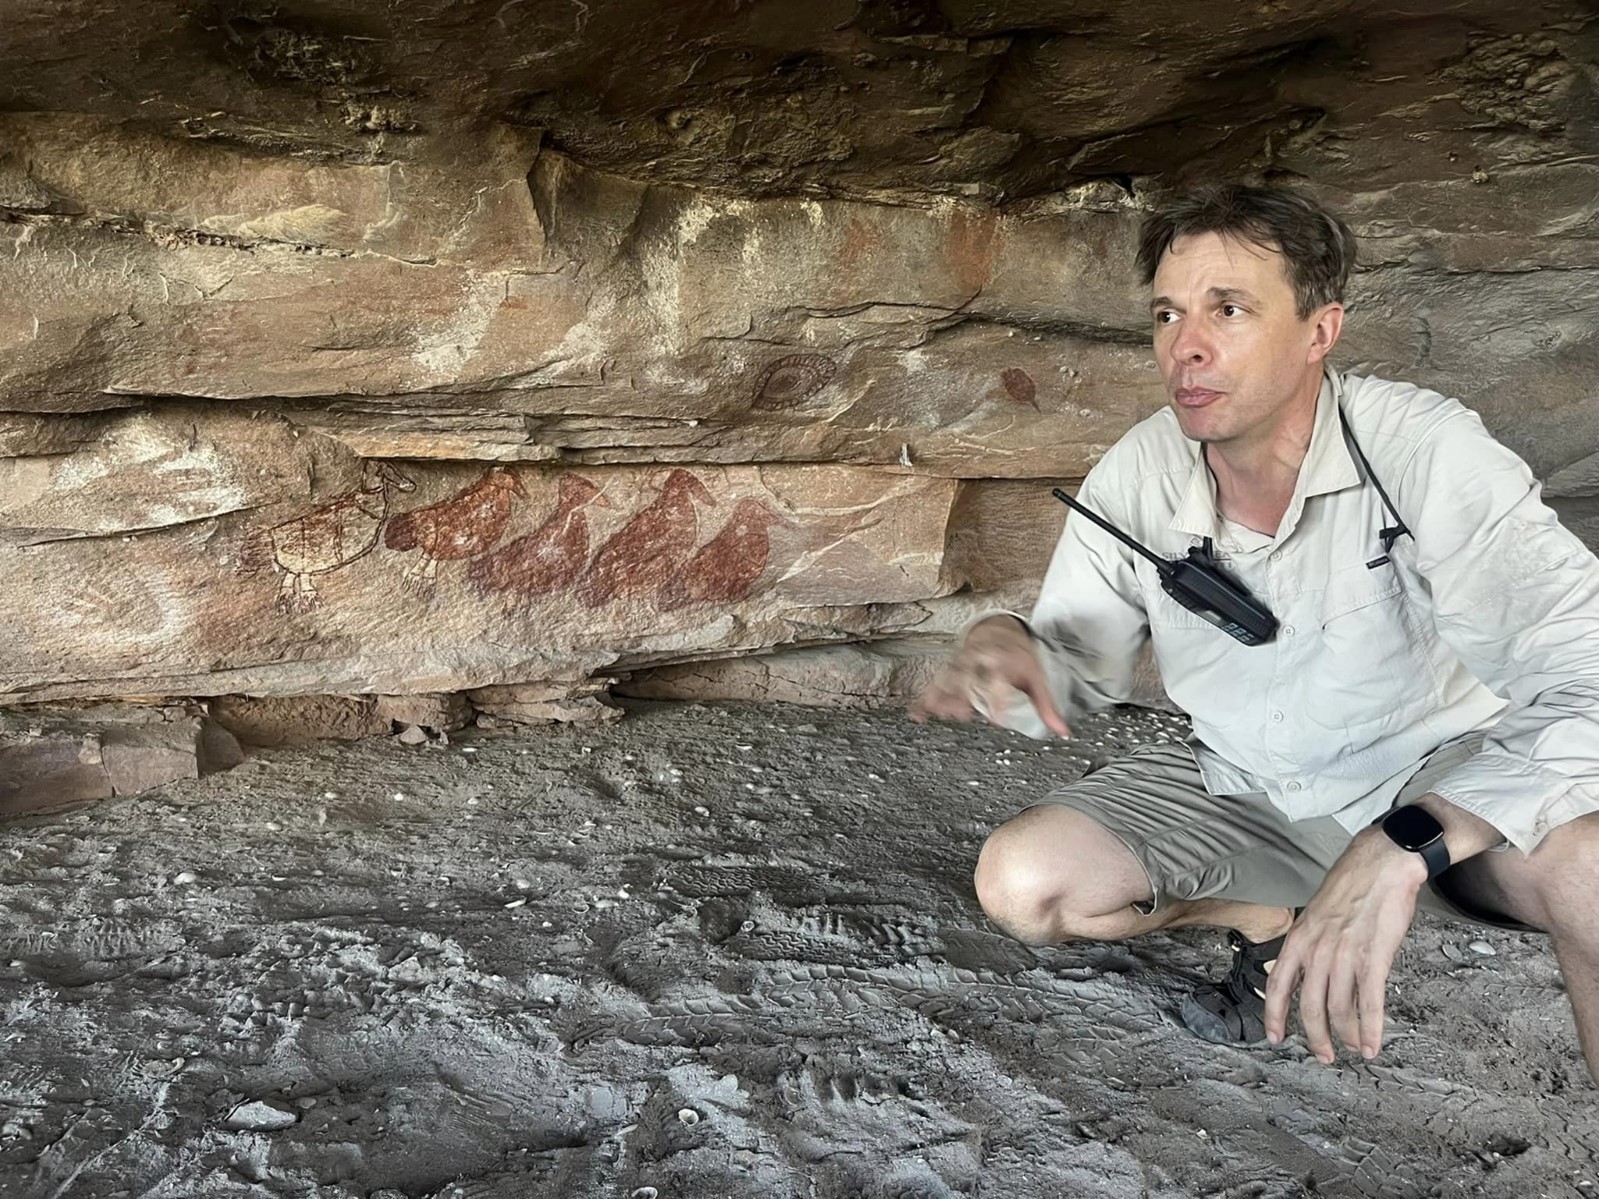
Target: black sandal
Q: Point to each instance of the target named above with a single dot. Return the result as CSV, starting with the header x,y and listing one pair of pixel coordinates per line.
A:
x,y
1233,1011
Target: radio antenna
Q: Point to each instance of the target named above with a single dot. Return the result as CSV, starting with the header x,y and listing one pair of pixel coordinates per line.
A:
x,y
1164,567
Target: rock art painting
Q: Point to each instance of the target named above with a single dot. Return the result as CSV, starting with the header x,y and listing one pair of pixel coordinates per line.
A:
x,y
727,566
1020,387
332,536
549,559
650,548
654,551
463,526
791,380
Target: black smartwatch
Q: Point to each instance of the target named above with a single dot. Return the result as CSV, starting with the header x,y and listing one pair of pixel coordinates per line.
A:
x,y
1417,830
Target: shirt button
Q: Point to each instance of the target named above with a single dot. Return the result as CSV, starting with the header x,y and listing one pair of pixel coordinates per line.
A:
x,y
1276,554
1293,785
1288,630
1277,717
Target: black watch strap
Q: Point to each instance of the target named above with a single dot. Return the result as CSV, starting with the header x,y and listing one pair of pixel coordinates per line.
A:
x,y
1436,856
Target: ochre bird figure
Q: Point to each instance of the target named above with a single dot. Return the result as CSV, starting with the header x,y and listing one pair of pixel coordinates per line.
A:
x,y
726,567
463,526
330,537
551,557
648,550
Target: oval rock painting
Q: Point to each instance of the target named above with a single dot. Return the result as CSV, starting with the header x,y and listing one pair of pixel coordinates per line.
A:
x,y
791,380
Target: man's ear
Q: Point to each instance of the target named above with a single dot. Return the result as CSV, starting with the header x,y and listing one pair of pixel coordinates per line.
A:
x,y
1325,326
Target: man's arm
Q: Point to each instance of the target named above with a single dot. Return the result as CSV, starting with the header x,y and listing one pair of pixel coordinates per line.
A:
x,y
1077,652
997,663
1340,952
1516,597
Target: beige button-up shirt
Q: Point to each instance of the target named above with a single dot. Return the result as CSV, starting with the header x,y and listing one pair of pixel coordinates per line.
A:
x,y
1487,618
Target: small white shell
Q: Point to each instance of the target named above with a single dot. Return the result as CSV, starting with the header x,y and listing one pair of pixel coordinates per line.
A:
x,y
689,1116
645,1193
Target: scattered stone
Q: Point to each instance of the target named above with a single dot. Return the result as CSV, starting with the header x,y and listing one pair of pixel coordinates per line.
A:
x,y
53,756
576,702
435,713
261,1115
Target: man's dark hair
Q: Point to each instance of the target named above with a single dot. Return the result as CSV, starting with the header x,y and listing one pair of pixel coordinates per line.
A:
x,y
1318,248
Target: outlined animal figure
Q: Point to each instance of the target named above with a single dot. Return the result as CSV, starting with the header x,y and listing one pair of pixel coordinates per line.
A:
x,y
727,566
463,526
649,549
550,558
332,536
791,380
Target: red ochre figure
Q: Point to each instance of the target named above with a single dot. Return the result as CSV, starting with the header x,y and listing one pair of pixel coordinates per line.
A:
x,y
332,536
1020,387
726,567
647,550
462,526
551,557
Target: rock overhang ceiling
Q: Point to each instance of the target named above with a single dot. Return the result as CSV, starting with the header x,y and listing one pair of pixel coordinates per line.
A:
x,y
844,98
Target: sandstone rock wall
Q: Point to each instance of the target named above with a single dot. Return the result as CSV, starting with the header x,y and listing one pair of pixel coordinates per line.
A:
x,y
322,372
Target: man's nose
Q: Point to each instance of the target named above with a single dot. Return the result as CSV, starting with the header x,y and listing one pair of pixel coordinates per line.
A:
x,y
1189,347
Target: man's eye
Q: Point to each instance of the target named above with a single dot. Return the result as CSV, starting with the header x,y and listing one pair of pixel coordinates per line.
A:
x,y
1165,318
1231,310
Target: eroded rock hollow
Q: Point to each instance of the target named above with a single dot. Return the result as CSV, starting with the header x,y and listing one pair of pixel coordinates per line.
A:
x,y
506,349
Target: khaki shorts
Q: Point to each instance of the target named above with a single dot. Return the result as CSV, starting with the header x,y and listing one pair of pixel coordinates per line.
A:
x,y
1195,845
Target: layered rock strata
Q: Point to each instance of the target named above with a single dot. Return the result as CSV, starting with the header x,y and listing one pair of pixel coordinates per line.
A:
x,y
326,370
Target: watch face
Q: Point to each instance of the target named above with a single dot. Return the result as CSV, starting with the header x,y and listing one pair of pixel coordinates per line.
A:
x,y
1412,828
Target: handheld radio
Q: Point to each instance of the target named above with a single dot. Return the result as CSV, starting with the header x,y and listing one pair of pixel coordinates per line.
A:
x,y
1198,584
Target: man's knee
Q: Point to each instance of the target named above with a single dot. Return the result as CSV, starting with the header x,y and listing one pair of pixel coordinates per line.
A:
x,y
1561,890
1044,876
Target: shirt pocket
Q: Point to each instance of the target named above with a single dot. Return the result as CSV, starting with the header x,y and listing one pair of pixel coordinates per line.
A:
x,y
1189,650
1369,669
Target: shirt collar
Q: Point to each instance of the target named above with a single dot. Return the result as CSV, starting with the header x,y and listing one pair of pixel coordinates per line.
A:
x,y
1328,467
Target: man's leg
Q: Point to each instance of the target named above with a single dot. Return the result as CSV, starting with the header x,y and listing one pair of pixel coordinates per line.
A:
x,y
1054,874
1139,845
1555,888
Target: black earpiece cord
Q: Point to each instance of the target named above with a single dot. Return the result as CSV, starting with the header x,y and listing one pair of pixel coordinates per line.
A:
x,y
1399,528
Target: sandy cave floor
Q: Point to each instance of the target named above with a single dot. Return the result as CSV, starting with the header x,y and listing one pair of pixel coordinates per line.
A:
x,y
714,951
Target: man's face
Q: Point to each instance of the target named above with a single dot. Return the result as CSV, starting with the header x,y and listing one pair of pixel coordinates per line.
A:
x,y
1232,350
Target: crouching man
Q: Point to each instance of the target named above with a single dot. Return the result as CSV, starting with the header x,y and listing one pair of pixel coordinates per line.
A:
x,y
1420,727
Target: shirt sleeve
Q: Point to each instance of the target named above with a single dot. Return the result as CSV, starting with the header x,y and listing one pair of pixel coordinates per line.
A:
x,y
1089,622
1516,597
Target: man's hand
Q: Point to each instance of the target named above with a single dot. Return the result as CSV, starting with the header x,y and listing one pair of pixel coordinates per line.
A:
x,y
1340,950
996,659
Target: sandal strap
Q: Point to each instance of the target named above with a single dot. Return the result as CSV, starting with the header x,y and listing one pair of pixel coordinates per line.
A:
x,y
1232,1010
1251,959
